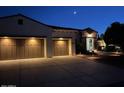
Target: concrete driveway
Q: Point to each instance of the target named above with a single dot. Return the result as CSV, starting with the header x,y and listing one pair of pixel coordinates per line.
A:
x,y
73,71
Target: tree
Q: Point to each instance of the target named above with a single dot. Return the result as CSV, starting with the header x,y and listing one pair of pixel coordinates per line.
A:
x,y
115,34
102,36
107,36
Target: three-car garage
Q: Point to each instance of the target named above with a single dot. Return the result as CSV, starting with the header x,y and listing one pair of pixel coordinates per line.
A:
x,y
30,47
32,39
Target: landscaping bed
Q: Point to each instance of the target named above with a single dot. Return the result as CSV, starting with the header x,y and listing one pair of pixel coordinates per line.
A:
x,y
117,61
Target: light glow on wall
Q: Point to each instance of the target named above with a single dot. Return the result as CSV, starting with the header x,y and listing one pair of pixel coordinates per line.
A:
x,y
60,42
5,37
32,41
7,41
89,35
101,43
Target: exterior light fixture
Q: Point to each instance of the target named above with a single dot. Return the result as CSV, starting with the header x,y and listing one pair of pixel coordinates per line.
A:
x,y
32,38
32,41
5,37
6,40
60,38
95,51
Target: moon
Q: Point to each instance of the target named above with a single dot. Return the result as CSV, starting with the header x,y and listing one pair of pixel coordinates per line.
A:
x,y
75,12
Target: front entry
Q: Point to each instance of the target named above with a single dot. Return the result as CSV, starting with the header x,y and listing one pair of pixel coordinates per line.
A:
x,y
89,44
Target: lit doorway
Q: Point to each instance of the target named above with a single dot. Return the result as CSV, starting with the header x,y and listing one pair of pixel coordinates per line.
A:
x,y
89,43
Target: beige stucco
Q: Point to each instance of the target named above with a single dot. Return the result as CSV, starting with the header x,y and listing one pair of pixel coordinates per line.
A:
x,y
65,33
89,34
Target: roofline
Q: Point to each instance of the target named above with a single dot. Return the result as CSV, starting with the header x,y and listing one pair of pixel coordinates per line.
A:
x,y
13,35
90,29
19,14
51,26
2,17
68,28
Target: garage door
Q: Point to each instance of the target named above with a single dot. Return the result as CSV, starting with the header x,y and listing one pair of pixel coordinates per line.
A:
x,y
60,47
21,48
7,49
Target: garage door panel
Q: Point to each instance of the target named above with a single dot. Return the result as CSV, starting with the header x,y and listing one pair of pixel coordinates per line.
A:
x,y
21,48
20,52
7,49
13,52
60,48
7,42
33,51
8,52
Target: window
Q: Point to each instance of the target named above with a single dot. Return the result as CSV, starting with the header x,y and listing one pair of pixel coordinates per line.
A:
x,y
20,21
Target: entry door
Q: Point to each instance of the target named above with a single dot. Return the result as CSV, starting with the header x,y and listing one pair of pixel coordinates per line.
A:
x,y
89,44
60,47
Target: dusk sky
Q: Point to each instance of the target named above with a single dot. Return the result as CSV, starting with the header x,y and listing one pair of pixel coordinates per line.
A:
x,y
98,18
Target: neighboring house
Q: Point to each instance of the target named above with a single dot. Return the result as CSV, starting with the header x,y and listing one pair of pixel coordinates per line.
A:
x,y
23,37
101,45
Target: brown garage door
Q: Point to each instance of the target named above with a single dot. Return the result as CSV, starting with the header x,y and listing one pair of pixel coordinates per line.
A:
x,y
60,47
7,49
21,48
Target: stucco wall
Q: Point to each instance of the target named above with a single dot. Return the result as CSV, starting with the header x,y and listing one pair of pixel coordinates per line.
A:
x,y
86,33
65,33
9,26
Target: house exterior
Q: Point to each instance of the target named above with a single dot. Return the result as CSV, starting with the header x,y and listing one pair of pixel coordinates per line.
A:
x,y
89,39
23,37
101,44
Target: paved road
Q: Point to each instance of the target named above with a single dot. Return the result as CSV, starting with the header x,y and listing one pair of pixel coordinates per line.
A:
x,y
59,71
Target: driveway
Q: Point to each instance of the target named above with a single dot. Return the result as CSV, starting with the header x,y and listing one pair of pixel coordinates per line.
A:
x,y
73,71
